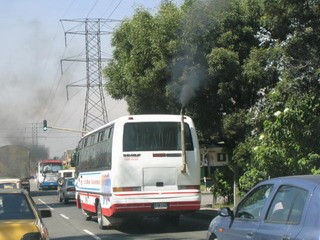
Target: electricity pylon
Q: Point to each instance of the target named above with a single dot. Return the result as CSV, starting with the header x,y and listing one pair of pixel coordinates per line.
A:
x,y
95,112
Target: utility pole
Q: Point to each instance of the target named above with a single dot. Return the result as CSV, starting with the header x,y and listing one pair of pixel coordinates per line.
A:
x,y
95,112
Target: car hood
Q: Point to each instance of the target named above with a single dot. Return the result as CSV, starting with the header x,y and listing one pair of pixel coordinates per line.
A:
x,y
15,229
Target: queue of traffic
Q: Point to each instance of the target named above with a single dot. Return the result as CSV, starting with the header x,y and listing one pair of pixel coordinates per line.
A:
x,y
149,165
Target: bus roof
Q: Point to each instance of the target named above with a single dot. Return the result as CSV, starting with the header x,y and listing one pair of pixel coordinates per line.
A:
x,y
143,118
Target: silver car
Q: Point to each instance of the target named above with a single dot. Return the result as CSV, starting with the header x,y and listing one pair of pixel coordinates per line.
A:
x,y
66,190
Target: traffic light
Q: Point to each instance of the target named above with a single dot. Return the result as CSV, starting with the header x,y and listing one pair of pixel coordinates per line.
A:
x,y
45,126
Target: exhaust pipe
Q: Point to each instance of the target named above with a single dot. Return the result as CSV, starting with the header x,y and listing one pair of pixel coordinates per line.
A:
x,y
183,146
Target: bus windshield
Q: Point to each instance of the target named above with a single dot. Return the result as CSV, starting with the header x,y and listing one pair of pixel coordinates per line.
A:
x,y
155,136
50,168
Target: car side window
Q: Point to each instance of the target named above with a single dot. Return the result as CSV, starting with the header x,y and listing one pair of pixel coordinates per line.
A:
x,y
287,205
250,207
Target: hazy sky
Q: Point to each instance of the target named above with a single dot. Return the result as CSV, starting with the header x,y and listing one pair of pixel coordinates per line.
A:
x,y
32,87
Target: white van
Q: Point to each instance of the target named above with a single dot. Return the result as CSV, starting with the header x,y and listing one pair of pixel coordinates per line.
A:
x,y
66,173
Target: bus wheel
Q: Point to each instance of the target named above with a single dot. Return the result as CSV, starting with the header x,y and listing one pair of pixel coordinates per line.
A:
x,y
78,203
102,220
86,216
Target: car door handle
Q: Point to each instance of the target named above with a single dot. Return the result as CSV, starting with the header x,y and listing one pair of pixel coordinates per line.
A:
x,y
286,237
249,234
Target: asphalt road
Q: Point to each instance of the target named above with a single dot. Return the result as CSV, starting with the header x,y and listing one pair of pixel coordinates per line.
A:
x,y
67,222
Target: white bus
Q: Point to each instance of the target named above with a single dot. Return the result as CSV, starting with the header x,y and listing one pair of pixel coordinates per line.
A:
x,y
138,166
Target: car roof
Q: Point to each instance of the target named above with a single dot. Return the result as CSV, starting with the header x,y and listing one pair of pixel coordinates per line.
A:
x,y
12,190
10,179
307,180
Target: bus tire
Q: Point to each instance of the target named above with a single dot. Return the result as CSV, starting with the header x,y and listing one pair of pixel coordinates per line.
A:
x,y
86,216
102,220
78,203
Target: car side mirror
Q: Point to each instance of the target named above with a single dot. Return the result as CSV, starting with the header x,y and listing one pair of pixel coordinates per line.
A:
x,y
45,213
226,212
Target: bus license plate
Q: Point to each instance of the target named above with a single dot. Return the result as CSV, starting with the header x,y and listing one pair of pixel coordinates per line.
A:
x,y
160,205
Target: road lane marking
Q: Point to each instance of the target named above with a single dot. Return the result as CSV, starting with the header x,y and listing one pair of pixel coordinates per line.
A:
x,y
64,216
46,204
91,234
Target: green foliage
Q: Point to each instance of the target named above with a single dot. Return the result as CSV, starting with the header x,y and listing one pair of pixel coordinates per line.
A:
x,y
247,72
139,69
289,142
286,129
222,183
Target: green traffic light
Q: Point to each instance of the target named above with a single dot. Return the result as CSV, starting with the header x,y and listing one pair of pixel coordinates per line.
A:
x,y
45,126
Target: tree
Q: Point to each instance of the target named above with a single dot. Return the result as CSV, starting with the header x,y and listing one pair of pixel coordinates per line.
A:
x,y
287,127
139,71
288,144
193,57
232,65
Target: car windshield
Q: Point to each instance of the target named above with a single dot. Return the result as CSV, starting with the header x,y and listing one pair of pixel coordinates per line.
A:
x,y
14,206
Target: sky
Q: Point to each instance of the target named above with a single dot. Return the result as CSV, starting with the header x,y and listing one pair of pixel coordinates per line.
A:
x,y
33,82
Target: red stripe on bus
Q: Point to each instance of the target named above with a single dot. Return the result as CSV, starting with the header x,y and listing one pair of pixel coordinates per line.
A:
x,y
88,207
143,207
148,207
153,193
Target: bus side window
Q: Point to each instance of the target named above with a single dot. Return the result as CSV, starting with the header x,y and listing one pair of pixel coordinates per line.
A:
x,y
106,135
85,142
101,136
92,139
110,133
188,138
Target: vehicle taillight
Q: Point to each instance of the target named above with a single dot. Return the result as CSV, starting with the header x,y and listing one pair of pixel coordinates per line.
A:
x,y
71,189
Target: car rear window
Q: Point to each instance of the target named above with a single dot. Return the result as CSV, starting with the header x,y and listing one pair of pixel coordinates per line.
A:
x,y
15,206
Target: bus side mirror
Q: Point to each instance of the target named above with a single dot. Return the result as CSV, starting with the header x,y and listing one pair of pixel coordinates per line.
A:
x,y
72,163
74,160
